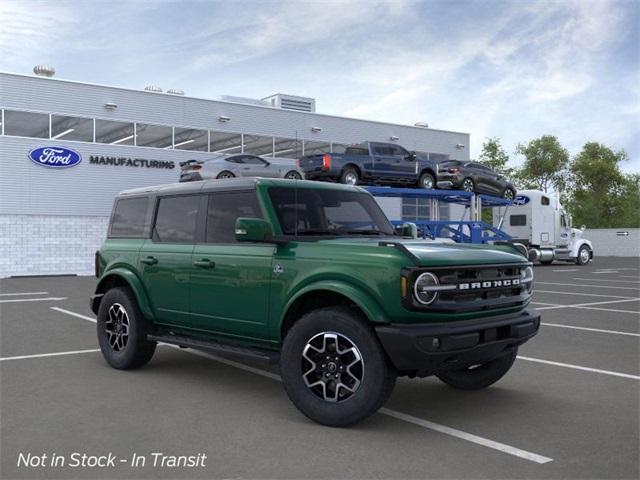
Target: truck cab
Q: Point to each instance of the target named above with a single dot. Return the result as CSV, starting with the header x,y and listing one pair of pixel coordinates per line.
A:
x,y
538,220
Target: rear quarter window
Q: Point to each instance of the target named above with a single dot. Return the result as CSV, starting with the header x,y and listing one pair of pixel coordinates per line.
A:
x,y
129,218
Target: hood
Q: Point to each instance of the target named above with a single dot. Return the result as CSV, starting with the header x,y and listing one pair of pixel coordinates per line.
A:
x,y
433,253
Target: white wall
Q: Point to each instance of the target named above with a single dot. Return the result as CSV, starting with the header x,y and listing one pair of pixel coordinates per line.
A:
x,y
606,242
50,244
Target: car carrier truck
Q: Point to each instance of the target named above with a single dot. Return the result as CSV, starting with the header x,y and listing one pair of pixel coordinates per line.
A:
x,y
538,221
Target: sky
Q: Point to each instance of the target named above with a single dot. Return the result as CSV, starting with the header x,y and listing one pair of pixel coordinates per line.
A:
x,y
509,69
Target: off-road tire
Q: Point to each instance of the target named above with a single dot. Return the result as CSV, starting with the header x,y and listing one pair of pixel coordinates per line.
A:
x,y
378,378
427,178
137,350
349,173
225,174
481,376
580,259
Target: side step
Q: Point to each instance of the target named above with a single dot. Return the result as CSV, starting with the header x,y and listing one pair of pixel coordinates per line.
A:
x,y
267,356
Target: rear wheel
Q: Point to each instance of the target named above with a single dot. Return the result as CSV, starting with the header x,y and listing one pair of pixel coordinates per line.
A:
x,y
584,255
225,174
481,376
468,185
293,175
122,331
427,181
334,369
349,176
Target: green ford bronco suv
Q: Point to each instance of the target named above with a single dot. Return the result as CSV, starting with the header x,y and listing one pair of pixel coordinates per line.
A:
x,y
311,275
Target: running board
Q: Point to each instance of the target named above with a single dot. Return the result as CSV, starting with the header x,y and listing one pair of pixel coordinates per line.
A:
x,y
267,356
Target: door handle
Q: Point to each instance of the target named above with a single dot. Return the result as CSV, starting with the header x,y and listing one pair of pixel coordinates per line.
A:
x,y
204,263
149,260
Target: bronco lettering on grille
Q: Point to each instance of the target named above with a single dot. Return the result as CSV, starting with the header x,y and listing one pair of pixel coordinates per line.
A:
x,y
511,282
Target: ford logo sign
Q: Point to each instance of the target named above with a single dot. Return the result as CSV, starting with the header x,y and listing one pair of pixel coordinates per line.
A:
x,y
521,200
55,157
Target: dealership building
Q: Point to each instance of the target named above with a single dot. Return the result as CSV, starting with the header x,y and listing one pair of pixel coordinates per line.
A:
x,y
52,220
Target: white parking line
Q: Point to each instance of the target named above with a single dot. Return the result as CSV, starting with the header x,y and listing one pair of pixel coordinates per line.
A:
x,y
579,367
469,437
607,280
585,305
599,330
533,457
41,355
632,312
46,299
73,314
588,286
628,276
567,270
604,272
579,294
23,293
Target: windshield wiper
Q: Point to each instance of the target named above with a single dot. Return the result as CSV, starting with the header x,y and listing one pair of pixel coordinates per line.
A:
x,y
362,232
318,231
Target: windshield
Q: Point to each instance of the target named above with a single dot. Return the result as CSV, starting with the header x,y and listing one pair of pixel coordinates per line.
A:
x,y
310,211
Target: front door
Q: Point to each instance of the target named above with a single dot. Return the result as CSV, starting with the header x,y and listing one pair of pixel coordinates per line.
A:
x,y
230,281
165,259
253,166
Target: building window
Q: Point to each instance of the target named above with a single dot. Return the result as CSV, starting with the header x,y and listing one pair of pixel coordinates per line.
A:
x,y
157,136
190,139
225,142
71,128
258,145
287,148
315,148
26,124
114,133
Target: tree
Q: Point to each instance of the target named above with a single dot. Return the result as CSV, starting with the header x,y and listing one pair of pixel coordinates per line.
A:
x,y
600,195
545,164
495,157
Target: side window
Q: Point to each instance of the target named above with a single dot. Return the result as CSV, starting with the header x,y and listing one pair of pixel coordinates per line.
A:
x,y
224,209
235,159
544,201
129,217
379,149
563,220
251,160
518,220
399,151
176,219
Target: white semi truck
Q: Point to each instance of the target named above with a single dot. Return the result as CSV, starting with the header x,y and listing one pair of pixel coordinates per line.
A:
x,y
538,221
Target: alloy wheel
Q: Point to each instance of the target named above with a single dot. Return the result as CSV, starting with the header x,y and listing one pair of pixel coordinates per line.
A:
x,y
584,255
117,327
350,178
508,194
427,182
467,185
333,366
293,176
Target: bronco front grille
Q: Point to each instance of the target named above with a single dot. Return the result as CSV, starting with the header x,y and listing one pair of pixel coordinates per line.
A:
x,y
475,288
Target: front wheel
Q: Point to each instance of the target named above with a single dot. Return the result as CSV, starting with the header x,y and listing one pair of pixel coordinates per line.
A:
x,y
334,369
584,255
122,331
468,185
481,376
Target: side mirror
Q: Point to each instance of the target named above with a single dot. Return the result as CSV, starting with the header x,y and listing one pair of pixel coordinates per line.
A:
x,y
252,230
412,156
583,228
408,229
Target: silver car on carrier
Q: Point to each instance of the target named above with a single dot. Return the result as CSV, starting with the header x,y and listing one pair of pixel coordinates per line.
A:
x,y
240,165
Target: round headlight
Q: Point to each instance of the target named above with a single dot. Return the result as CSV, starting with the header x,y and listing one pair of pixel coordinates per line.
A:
x,y
526,275
424,289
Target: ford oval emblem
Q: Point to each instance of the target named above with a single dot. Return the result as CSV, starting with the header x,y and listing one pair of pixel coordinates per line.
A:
x,y
55,157
521,200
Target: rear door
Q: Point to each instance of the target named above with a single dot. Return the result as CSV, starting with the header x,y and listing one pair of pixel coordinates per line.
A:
x,y
165,259
230,281
383,161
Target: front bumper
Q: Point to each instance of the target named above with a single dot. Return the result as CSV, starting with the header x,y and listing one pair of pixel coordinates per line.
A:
x,y
430,348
